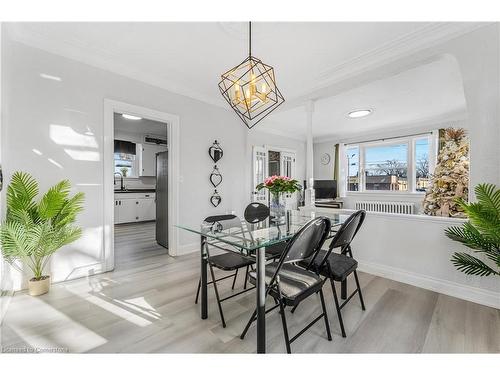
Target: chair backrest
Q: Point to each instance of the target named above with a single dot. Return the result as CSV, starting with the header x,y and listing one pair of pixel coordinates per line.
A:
x,y
305,243
256,212
218,223
346,232
228,223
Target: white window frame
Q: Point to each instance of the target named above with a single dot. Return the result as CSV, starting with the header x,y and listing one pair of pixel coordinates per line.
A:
x,y
410,141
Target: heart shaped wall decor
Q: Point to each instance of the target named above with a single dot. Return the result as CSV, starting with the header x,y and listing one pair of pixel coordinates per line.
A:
x,y
215,199
215,152
215,177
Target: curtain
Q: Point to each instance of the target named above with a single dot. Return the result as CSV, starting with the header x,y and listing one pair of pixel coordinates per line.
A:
x,y
340,169
440,139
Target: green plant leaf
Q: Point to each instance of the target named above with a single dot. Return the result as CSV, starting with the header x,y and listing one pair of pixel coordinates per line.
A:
x,y
21,191
471,265
488,196
53,200
481,233
32,232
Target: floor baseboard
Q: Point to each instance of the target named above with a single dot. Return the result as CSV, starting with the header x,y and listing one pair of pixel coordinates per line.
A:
x,y
468,293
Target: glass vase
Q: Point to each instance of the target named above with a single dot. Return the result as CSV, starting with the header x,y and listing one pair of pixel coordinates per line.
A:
x,y
277,208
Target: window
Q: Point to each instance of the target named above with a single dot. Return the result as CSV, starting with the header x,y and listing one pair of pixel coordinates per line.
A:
x,y
386,167
125,164
396,165
353,168
422,175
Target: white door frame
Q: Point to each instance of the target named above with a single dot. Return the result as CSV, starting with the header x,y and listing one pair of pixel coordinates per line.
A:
x,y
110,107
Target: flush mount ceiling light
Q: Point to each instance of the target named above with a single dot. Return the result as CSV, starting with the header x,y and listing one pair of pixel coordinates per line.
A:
x,y
131,117
360,113
250,88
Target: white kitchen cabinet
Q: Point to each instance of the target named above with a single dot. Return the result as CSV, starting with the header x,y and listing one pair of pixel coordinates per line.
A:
x,y
147,158
117,211
146,209
134,207
147,164
128,211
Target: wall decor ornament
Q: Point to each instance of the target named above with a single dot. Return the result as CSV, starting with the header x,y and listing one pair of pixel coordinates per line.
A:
x,y
215,177
215,199
215,151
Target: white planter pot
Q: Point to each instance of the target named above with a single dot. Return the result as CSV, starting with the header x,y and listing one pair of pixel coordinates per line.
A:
x,y
39,287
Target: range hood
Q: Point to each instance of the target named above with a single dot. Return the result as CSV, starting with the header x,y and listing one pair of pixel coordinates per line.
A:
x,y
124,147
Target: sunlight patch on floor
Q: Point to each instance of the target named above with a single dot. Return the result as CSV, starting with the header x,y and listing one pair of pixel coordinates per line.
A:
x,y
50,328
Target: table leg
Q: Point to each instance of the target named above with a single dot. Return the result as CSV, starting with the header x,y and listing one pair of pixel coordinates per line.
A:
x,y
343,289
203,273
261,301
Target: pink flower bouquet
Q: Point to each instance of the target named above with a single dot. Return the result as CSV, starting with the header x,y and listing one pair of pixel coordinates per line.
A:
x,y
280,184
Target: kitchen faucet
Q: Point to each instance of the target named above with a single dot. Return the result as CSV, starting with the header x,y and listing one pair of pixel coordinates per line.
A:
x,y
122,187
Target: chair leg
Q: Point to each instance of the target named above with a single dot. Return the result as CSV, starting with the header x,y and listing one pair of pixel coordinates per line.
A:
x,y
339,314
325,315
359,291
217,296
234,280
252,318
285,328
294,308
246,278
198,292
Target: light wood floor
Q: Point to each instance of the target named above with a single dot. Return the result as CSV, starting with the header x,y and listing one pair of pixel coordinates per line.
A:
x,y
147,305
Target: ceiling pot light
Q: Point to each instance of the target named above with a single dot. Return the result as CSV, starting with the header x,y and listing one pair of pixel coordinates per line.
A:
x,y
250,88
131,117
360,113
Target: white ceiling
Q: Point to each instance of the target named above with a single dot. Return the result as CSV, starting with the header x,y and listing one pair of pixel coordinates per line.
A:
x,y
429,93
188,58
143,126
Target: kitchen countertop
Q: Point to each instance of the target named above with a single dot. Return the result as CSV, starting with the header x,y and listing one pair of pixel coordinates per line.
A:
x,y
135,191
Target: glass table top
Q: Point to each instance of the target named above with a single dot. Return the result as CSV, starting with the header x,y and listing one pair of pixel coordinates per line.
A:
x,y
250,237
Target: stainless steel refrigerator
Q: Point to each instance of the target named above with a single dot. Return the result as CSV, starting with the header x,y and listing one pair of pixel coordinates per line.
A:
x,y
162,198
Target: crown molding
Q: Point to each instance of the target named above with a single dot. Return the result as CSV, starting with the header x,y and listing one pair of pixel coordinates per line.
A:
x,y
280,133
104,60
425,37
404,46
454,118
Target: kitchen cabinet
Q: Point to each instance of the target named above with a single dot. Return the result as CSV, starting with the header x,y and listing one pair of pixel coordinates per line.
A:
x,y
147,158
134,207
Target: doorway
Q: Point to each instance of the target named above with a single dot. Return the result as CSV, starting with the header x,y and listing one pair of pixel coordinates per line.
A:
x,y
273,161
140,188
140,183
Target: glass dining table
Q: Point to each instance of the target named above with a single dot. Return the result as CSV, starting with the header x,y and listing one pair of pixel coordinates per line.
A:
x,y
252,239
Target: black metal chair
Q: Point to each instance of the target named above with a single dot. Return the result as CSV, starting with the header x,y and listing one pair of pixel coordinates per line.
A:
x,y
337,267
290,284
255,214
231,260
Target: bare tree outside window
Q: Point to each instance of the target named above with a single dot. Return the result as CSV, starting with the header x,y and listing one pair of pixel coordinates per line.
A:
x,y
422,168
392,168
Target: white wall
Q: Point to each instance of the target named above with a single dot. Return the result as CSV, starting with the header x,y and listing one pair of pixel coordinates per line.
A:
x,y
323,172
414,250
477,56
76,102
5,282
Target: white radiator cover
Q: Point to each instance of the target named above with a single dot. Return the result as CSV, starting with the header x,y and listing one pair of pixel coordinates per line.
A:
x,y
389,207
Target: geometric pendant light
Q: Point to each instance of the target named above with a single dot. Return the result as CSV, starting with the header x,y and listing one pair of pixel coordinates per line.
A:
x,y
250,88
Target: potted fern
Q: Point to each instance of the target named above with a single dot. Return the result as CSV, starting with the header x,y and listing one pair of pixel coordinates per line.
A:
x,y
481,233
33,231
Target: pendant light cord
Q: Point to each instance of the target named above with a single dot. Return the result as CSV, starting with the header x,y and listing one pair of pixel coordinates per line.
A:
x,y
250,38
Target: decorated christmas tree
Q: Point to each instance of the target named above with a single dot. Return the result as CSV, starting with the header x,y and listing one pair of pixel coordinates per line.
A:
x,y
450,179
